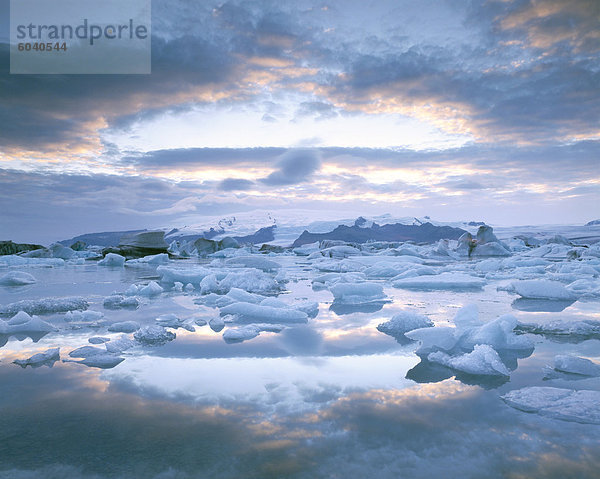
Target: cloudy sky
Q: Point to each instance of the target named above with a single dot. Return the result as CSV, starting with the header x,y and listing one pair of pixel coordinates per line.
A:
x,y
475,110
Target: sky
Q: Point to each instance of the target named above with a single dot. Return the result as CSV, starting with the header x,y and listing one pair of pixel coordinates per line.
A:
x,y
460,110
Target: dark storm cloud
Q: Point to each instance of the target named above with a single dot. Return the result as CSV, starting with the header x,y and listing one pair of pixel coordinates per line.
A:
x,y
295,166
197,157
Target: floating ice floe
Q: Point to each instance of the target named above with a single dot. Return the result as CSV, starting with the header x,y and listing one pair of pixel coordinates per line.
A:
x,y
256,262
161,258
47,358
339,266
433,339
357,293
117,346
444,281
251,280
404,322
254,313
542,289
567,363
172,321
580,406
112,259
124,327
170,275
13,260
153,335
44,306
249,331
329,279
216,324
95,357
571,329
16,278
118,301
83,316
98,340
482,361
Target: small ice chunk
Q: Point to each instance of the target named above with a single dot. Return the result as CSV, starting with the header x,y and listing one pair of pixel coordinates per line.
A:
x,y
124,327
433,339
86,352
112,259
16,278
44,306
101,361
216,324
98,340
482,361
254,313
48,358
443,281
542,289
580,406
153,335
172,321
253,262
200,322
152,289
311,308
575,365
467,317
118,301
209,284
250,331
358,293
117,346
403,322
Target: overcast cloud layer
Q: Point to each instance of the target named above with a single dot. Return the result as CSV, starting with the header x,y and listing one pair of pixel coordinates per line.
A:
x,y
454,109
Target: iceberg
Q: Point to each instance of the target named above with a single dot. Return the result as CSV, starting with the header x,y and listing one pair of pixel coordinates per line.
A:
x,y
44,306
47,358
482,361
404,322
433,339
580,406
16,278
575,330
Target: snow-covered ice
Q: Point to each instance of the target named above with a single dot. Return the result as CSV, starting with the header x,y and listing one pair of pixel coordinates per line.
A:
x,y
124,327
154,335
44,306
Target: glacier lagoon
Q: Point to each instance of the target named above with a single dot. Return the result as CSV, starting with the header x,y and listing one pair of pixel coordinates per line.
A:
x,y
294,394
